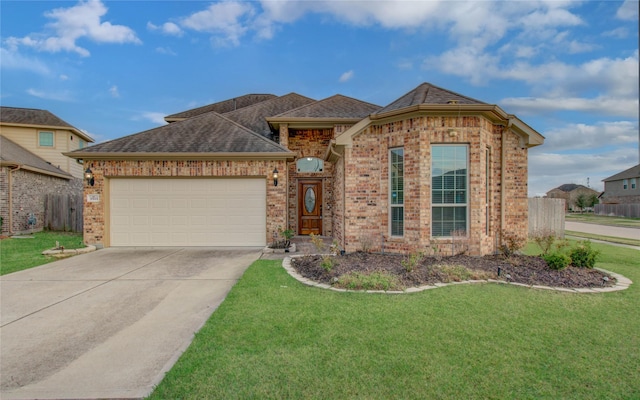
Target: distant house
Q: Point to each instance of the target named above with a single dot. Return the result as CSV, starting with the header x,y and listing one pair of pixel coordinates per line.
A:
x,y
622,188
32,165
570,193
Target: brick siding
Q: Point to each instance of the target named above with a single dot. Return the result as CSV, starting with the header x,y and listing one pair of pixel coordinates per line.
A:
x,y
28,190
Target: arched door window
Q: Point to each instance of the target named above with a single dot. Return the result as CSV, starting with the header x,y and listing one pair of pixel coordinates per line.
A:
x,y
310,164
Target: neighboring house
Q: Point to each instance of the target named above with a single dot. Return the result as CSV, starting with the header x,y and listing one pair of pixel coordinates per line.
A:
x,y
622,188
432,167
570,193
32,165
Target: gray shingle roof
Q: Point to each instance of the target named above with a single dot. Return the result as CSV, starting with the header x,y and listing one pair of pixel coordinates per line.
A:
x,y
12,153
427,93
337,106
33,116
205,133
633,172
254,116
222,106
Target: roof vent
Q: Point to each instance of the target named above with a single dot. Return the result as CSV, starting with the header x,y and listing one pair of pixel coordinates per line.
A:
x,y
452,102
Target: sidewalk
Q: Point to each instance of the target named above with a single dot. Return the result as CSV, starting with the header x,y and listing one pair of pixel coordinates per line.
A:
x,y
604,230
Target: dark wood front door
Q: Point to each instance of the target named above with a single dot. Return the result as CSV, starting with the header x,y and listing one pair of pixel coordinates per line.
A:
x,y
310,207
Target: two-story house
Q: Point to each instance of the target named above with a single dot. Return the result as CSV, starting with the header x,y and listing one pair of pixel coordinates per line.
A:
x,y
32,164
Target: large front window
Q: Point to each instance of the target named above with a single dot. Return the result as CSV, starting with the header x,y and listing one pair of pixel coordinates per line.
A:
x,y
449,189
396,181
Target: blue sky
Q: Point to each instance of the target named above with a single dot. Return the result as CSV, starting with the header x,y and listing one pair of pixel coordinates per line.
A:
x,y
567,68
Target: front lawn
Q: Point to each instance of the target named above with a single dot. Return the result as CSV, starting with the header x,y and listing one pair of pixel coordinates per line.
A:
x,y
276,338
18,254
604,220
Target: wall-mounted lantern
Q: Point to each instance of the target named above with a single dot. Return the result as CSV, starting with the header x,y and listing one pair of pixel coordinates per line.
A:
x,y
275,177
88,176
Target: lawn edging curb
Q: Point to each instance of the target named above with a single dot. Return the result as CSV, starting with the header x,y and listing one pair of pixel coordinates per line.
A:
x,y
622,283
69,252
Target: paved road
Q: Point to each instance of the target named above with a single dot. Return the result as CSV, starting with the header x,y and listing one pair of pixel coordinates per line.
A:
x,y
108,324
629,233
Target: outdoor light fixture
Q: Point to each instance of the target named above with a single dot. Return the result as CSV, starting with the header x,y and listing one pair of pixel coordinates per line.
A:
x,y
88,176
275,177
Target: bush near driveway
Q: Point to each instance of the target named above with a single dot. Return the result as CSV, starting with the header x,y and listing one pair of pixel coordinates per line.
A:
x,y
19,254
275,338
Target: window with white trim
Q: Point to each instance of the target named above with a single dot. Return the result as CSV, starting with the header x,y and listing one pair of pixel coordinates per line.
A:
x,y
633,183
625,184
449,189
396,192
45,139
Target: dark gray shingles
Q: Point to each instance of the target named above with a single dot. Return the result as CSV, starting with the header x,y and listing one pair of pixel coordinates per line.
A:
x,y
632,172
205,133
10,152
223,106
427,93
31,116
337,106
254,117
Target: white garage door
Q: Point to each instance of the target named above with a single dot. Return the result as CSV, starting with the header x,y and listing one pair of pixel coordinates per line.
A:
x,y
188,212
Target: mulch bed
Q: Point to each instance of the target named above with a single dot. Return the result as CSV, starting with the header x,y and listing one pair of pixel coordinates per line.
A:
x,y
530,270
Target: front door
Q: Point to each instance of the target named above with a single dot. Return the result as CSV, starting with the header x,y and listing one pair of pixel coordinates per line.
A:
x,y
310,207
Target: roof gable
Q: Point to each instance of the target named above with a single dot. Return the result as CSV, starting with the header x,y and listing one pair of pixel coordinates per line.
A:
x,y
222,106
427,93
334,107
14,154
205,134
633,172
254,117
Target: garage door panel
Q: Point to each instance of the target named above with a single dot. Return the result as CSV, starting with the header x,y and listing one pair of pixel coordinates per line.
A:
x,y
188,212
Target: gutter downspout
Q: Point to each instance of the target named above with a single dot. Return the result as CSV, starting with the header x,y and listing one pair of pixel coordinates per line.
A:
x,y
344,198
11,171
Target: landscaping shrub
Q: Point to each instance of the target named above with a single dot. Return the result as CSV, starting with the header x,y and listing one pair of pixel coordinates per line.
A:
x,y
371,281
327,263
411,261
583,256
557,261
511,243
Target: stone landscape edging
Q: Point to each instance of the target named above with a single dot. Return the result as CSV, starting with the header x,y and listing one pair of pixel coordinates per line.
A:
x,y
622,283
69,252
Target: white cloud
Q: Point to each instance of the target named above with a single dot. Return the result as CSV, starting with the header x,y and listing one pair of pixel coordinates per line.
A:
x,y
73,23
227,19
11,59
603,105
582,136
168,28
63,77
345,77
619,33
57,95
628,11
155,117
166,50
113,91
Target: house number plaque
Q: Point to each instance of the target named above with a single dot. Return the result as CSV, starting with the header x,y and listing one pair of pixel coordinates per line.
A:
x,y
93,198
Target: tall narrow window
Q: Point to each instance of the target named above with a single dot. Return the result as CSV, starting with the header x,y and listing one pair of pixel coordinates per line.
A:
x,y
396,183
45,139
449,189
633,183
625,184
487,188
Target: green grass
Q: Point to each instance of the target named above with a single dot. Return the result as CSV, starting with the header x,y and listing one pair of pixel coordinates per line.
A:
x,y
19,254
604,220
274,338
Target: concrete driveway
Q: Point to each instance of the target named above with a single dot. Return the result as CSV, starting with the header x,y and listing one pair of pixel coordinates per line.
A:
x,y
108,324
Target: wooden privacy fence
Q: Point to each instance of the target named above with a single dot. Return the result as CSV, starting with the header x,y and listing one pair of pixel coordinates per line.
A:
x,y
618,210
63,212
546,215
